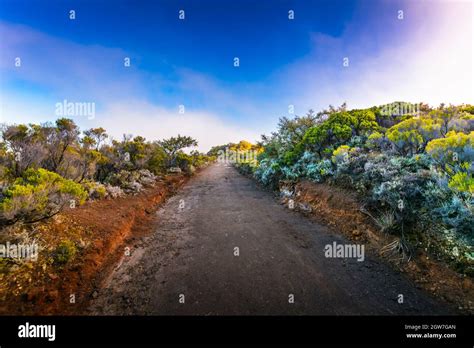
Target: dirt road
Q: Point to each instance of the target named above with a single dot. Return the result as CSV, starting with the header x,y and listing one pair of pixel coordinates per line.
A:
x,y
192,258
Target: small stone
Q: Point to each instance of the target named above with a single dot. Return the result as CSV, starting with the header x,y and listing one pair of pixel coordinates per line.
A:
x,y
174,170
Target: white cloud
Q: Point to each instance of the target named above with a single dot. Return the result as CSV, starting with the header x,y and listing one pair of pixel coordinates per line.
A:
x,y
93,73
428,58
154,123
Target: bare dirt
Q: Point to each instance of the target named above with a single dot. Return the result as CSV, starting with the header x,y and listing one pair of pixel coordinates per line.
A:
x,y
101,230
188,264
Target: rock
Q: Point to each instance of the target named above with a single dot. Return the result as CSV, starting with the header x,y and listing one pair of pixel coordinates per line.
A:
x,y
114,191
132,187
131,182
146,178
174,170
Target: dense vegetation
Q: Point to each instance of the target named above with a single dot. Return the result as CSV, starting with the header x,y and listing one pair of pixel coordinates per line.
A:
x,y
414,171
44,168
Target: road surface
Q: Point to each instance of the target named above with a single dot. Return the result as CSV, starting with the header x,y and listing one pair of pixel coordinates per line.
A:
x,y
191,264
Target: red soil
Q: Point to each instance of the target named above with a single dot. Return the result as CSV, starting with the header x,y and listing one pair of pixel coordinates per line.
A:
x,y
104,228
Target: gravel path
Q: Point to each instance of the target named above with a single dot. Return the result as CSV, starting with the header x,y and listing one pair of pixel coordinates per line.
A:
x,y
191,258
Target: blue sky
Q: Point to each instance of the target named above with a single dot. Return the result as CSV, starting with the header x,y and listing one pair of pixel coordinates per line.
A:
x,y
426,56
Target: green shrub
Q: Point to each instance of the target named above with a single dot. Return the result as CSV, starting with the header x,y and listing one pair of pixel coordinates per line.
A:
x,y
455,155
269,173
462,182
64,252
37,195
341,154
246,168
95,190
185,162
157,162
416,177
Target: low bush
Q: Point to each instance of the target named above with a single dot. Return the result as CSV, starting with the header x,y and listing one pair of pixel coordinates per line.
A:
x,y
415,177
64,252
38,194
95,190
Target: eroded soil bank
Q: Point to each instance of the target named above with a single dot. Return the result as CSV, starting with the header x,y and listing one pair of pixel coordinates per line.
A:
x,y
103,232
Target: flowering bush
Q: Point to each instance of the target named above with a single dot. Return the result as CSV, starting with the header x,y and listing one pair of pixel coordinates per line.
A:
x,y
455,154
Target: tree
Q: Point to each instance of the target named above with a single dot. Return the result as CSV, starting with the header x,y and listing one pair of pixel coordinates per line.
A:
x,y
291,131
98,136
57,141
173,145
139,151
89,158
25,146
243,145
445,118
157,161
